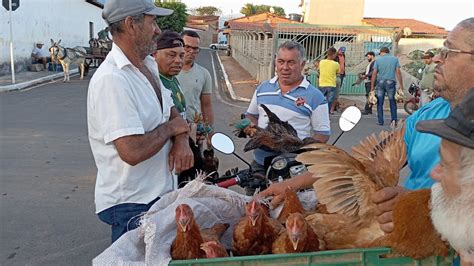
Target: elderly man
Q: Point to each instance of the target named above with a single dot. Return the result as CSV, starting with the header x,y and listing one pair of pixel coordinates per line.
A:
x,y
452,199
170,57
136,135
455,58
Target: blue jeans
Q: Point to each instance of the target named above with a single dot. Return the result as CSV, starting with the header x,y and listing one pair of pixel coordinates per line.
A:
x,y
124,217
386,86
329,93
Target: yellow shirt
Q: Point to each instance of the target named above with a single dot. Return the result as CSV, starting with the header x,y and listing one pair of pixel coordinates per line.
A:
x,y
328,70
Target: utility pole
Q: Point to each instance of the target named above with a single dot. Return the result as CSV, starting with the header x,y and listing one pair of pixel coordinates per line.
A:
x,y
10,10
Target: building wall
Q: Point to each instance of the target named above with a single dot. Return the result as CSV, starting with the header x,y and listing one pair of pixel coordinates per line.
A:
x,y
406,45
333,12
41,20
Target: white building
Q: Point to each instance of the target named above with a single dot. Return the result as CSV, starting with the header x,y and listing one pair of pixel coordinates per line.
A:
x,y
73,22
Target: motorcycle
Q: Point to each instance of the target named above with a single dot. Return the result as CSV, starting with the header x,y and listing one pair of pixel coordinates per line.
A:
x,y
281,167
412,104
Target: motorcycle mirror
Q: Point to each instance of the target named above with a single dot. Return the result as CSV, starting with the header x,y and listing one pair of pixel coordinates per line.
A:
x,y
349,118
222,143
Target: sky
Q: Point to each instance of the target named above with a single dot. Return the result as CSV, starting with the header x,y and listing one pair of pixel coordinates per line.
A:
x,y
444,13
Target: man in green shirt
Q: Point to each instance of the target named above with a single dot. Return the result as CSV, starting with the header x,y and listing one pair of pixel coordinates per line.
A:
x,y
427,79
170,57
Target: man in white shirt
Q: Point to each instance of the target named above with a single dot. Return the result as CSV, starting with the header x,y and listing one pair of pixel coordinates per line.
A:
x,y
40,56
136,134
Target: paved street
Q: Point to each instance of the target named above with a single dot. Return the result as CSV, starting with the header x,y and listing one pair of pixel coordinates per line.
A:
x,y
48,173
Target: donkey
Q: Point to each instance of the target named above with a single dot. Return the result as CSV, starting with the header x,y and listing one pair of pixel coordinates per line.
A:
x,y
66,56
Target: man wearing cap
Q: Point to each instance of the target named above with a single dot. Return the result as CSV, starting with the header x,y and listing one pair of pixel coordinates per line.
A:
x,y
450,82
427,79
195,80
368,81
40,56
383,79
136,134
452,197
170,57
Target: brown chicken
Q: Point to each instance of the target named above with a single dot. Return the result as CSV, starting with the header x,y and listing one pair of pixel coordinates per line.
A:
x,y
255,232
414,234
277,136
346,184
298,237
189,237
291,204
214,249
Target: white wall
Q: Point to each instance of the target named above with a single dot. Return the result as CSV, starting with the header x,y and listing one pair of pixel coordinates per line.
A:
x,y
41,20
406,45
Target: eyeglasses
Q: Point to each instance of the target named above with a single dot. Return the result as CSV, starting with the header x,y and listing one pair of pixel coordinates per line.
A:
x,y
443,54
194,49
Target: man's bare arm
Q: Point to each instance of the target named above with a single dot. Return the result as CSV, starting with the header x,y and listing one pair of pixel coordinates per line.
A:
x,y
206,108
321,138
399,77
374,78
135,149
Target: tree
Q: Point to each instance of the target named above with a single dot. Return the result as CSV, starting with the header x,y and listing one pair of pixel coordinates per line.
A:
x,y
251,9
206,11
248,9
175,21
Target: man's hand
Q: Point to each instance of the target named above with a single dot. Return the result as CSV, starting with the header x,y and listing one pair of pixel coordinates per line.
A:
x,y
181,156
277,190
385,200
179,126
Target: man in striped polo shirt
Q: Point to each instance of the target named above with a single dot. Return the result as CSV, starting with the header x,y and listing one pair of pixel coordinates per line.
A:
x,y
292,98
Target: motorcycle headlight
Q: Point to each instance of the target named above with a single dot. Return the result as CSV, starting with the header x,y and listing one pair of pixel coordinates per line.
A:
x,y
280,164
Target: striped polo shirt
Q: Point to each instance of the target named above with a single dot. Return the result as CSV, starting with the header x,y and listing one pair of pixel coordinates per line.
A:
x,y
304,107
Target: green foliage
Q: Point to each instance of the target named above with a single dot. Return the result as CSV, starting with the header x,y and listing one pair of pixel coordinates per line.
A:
x,y
417,63
206,11
175,21
248,9
251,9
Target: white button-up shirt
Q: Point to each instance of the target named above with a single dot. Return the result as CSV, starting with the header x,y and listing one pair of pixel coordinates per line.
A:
x,y
122,102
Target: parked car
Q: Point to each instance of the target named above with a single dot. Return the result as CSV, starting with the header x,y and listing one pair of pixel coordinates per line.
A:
x,y
222,45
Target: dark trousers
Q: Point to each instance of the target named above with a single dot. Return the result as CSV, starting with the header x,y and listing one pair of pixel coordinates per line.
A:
x,y
368,107
124,217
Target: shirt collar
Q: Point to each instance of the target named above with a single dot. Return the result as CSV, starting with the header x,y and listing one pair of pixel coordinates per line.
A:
x,y
122,60
304,83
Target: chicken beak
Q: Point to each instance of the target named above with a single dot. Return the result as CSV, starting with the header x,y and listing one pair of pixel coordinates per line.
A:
x,y
183,223
294,240
253,219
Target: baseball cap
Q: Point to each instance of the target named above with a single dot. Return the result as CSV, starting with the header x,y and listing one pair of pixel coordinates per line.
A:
x,y
458,127
427,55
117,10
39,42
342,49
169,39
370,53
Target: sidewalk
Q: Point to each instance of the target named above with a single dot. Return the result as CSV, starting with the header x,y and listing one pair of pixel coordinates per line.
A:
x,y
242,85
27,78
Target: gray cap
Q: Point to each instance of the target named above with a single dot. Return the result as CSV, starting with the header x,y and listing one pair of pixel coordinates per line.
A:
x,y
117,10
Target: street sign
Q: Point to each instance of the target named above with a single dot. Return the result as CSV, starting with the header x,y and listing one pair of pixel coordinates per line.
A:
x,y
15,4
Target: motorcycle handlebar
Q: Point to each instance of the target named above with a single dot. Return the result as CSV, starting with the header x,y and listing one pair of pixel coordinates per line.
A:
x,y
229,182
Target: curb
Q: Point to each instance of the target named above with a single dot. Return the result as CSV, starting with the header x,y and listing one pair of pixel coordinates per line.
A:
x,y
22,85
229,85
